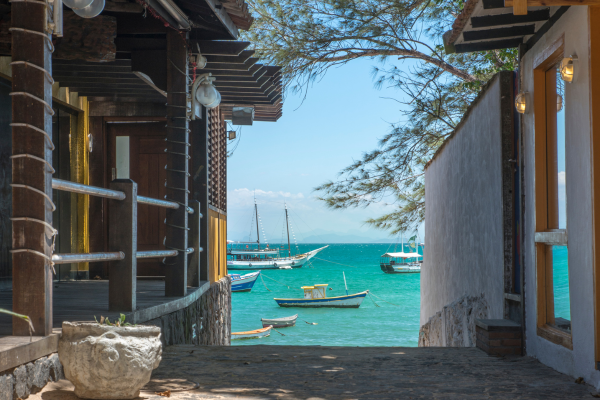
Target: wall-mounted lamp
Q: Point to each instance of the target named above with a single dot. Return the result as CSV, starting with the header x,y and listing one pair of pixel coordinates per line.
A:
x,y
77,4
231,135
204,92
567,68
522,102
559,102
92,10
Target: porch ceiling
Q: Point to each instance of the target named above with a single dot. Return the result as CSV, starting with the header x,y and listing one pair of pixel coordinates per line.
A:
x,y
488,25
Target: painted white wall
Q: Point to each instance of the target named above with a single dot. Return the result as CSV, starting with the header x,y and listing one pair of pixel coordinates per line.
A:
x,y
579,362
463,217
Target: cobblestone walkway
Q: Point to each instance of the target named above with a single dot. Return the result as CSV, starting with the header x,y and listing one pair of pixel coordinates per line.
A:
x,y
290,372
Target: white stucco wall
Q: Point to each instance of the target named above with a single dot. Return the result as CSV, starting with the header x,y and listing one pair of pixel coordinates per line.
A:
x,y
463,216
580,361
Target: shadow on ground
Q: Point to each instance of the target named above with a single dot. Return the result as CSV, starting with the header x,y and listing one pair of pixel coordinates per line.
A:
x,y
300,372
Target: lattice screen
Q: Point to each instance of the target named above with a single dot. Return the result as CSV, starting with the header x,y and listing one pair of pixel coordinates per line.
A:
x,y
217,160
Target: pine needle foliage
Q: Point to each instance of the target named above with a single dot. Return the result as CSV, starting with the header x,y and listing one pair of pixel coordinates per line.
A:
x,y
404,40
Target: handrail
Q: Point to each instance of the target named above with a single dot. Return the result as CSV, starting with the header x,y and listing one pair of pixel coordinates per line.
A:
x,y
74,187
68,258
156,202
156,253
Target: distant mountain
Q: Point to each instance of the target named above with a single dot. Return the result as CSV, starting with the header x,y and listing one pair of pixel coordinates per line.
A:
x,y
341,238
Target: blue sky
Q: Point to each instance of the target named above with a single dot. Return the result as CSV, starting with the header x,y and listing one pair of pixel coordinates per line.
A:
x,y
342,116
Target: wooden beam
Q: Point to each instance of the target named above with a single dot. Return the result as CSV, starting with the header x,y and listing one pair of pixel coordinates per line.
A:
x,y
123,7
177,164
510,19
87,39
519,30
519,6
200,184
489,45
219,47
240,59
225,19
122,236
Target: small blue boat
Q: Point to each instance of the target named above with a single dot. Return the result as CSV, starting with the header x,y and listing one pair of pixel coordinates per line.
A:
x,y
243,283
316,297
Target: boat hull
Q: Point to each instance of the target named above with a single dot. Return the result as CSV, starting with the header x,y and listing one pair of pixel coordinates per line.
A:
x,y
389,269
350,301
280,322
256,334
244,284
280,263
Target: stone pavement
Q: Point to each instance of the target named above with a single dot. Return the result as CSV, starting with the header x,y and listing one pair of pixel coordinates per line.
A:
x,y
294,372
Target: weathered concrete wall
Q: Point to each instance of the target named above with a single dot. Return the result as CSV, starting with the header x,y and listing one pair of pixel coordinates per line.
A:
x,y
579,362
454,326
24,380
205,322
464,217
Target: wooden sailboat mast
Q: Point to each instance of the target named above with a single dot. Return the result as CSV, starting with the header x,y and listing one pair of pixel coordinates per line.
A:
x,y
257,232
287,224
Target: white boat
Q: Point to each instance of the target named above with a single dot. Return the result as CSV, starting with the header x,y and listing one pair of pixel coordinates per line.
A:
x,y
250,256
401,263
255,334
279,322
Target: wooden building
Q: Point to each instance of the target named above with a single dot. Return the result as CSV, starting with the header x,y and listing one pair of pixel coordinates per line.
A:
x,y
545,228
113,184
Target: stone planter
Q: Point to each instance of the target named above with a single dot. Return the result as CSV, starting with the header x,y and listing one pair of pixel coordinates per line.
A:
x,y
108,362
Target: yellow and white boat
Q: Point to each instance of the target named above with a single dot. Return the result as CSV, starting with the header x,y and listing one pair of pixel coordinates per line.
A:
x,y
316,296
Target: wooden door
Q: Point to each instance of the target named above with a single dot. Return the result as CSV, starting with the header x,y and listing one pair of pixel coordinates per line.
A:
x,y
147,160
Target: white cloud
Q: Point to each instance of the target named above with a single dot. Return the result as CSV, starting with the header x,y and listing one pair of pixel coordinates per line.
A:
x,y
562,178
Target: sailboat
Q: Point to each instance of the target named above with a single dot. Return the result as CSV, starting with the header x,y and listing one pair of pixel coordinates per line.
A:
x,y
401,262
245,256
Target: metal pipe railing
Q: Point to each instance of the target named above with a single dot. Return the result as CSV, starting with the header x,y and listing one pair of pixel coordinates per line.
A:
x,y
69,258
68,186
156,253
156,202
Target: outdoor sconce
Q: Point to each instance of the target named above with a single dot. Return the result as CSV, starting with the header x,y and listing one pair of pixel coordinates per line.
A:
x,y
242,115
85,8
559,102
204,92
567,68
231,135
522,102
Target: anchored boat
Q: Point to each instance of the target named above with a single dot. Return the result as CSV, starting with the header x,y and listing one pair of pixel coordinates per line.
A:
x,y
243,283
316,296
279,322
255,334
250,256
401,263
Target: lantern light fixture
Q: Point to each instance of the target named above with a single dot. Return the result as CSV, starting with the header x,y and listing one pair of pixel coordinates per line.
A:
x,y
231,135
91,11
522,102
204,92
567,68
77,4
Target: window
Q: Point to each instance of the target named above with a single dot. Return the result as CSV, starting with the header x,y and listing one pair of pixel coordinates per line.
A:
x,y
551,239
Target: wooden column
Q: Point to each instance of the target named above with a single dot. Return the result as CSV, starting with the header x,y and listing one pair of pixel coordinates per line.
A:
x,y
194,263
177,163
200,185
32,273
122,236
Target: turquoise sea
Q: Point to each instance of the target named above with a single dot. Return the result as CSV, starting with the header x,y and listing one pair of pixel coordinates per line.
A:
x,y
375,323
394,324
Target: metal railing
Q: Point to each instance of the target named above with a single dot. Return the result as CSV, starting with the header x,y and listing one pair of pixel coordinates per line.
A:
x,y
157,253
73,187
69,258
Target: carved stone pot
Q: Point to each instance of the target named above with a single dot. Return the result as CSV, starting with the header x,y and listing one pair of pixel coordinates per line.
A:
x,y
108,362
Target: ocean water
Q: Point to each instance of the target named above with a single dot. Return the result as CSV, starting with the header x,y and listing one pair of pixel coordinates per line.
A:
x,y
375,323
